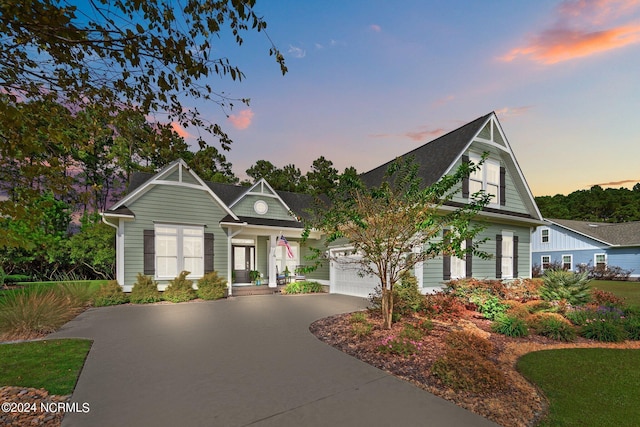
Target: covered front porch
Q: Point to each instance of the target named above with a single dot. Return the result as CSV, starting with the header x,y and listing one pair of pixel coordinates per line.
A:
x,y
262,258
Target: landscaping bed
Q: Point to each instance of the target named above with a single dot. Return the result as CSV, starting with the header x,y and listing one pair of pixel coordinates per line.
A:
x,y
516,403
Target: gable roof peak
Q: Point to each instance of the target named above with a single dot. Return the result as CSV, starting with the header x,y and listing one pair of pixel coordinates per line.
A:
x,y
436,156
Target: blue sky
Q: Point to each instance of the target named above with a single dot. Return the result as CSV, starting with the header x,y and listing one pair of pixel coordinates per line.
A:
x,y
371,80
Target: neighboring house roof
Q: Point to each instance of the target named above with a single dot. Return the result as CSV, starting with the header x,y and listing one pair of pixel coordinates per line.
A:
x,y
612,234
435,157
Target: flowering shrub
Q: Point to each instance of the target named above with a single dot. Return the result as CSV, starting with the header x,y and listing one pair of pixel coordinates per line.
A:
x,y
406,343
599,297
443,306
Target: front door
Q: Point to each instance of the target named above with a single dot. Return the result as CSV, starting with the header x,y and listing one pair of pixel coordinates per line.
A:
x,y
243,263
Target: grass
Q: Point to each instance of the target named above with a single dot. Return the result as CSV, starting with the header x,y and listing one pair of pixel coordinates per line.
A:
x,y
630,291
51,364
41,308
587,386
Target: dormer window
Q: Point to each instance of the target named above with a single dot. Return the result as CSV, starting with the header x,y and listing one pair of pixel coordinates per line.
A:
x,y
488,178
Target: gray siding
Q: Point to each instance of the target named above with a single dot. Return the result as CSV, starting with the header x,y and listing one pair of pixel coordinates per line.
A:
x,y
276,210
174,204
515,191
485,269
322,272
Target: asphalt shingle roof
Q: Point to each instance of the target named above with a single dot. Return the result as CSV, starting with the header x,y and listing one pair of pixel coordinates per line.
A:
x,y
615,234
435,156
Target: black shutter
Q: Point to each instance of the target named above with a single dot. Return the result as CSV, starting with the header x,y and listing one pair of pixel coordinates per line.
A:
x,y
208,253
446,259
149,263
503,186
498,256
469,259
515,256
465,180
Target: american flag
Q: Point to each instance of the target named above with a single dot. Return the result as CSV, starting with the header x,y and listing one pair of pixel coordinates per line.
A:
x,y
283,242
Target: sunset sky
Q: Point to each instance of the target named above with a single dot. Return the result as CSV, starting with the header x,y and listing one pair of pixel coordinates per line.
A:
x,y
370,80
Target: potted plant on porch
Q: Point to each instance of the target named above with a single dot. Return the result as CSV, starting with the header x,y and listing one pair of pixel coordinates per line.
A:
x,y
254,276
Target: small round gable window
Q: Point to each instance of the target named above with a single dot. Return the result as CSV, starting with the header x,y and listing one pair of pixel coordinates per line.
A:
x,y
260,207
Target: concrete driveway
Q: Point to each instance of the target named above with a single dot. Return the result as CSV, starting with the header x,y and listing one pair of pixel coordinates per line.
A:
x,y
238,362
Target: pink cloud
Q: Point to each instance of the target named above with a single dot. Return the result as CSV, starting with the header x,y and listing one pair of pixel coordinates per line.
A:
x,y
583,28
626,181
177,127
512,111
242,120
415,136
424,134
375,28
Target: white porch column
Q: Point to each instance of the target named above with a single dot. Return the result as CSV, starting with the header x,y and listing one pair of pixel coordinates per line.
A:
x,y
272,261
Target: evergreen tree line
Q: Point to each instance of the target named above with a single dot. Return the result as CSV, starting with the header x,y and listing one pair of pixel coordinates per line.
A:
x,y
595,204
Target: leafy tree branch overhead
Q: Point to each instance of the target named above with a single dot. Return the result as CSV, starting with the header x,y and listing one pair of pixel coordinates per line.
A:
x,y
147,55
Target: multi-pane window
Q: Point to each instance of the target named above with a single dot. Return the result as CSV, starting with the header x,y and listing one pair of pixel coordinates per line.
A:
x,y
459,265
545,235
486,177
567,262
179,248
600,261
507,255
545,262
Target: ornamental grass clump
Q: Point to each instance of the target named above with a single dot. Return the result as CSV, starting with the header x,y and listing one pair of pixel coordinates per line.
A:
x,y
180,289
552,325
110,294
145,290
212,287
31,312
510,326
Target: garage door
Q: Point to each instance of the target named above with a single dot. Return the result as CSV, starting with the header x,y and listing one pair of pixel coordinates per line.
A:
x,y
345,279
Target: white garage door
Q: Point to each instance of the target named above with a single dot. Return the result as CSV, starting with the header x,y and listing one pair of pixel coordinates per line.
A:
x,y
346,280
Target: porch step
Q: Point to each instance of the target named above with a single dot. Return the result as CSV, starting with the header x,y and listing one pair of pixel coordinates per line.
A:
x,y
240,291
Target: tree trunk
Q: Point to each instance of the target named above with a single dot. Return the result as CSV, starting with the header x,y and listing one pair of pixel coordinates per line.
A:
x,y
387,308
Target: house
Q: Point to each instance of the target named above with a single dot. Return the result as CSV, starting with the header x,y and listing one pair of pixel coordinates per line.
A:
x,y
597,244
174,221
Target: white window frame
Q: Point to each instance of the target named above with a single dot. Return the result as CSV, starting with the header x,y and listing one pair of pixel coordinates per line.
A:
x,y
507,256
184,255
486,178
543,235
542,263
595,259
459,265
570,262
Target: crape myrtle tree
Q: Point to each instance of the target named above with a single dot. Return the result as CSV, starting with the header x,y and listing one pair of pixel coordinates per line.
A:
x,y
396,225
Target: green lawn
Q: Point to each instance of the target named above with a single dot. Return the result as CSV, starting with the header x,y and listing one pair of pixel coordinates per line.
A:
x,y
587,386
628,290
50,364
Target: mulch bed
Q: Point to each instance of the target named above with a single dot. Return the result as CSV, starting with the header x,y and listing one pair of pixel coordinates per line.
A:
x,y
518,404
